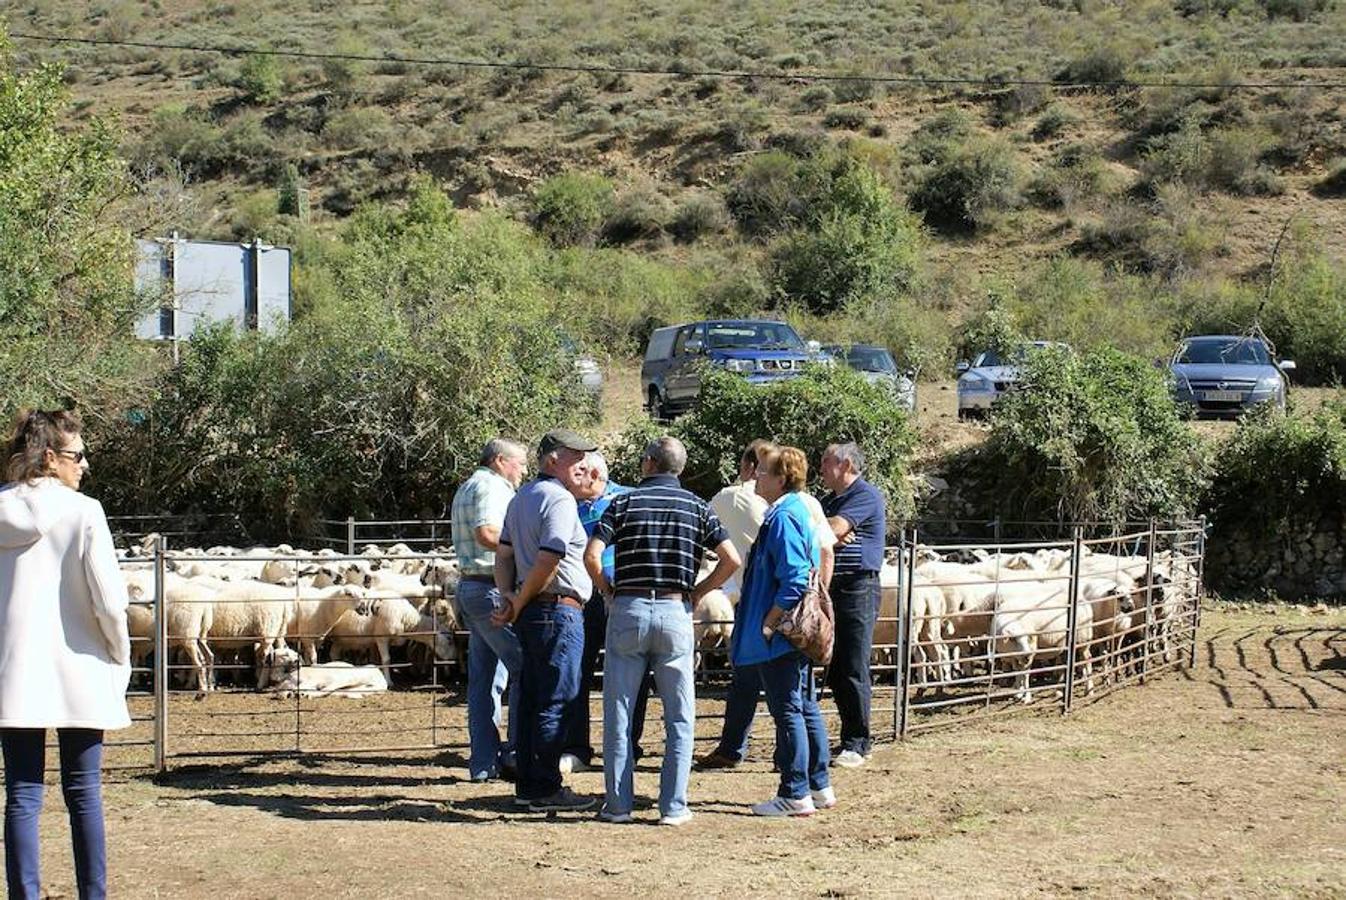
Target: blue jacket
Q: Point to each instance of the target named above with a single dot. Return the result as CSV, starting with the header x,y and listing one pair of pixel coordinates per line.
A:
x,y
777,574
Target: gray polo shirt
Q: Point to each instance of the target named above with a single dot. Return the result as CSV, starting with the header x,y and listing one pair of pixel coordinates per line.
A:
x,y
543,516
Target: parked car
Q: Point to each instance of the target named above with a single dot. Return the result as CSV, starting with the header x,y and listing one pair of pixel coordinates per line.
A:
x,y
760,350
877,366
1224,375
586,367
985,380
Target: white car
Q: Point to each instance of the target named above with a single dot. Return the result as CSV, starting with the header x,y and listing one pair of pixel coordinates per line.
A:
x,y
983,381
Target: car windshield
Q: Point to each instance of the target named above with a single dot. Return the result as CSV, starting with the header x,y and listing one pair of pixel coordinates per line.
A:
x,y
756,335
992,358
1236,351
871,359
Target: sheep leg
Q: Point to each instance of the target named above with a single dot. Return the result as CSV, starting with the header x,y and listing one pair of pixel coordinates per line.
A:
x,y
205,675
385,659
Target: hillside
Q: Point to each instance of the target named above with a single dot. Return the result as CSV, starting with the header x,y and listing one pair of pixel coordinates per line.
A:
x,y
1177,188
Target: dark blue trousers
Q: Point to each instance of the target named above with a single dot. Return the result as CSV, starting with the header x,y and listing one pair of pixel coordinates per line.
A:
x,y
552,637
25,751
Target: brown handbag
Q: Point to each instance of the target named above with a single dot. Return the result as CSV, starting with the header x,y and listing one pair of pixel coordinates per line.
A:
x,y
811,625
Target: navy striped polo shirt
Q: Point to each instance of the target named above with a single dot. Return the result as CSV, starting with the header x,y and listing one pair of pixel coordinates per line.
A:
x,y
661,532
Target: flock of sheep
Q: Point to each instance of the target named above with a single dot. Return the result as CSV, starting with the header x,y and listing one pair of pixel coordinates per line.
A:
x,y
1000,614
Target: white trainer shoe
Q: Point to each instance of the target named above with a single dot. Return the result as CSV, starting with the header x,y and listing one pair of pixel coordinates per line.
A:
x,y
784,806
824,799
571,763
848,759
675,819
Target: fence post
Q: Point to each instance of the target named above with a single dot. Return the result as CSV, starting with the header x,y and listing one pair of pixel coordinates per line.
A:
x,y
904,635
995,530
160,660
902,551
1072,618
350,535
1149,602
1199,593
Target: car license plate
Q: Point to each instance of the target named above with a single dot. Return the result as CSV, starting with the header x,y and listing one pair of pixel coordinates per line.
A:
x,y
1219,396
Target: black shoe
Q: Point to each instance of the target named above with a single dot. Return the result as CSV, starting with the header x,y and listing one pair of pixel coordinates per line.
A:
x,y
564,800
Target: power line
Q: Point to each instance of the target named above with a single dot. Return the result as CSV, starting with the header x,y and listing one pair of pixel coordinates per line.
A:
x,y
576,68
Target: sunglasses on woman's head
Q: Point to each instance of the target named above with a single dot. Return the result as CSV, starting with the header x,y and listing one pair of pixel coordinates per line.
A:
x,y
76,455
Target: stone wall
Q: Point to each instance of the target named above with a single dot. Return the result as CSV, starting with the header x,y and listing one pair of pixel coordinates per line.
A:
x,y
1306,561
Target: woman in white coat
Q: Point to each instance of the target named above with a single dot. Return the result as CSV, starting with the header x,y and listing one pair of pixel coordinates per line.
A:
x,y
64,648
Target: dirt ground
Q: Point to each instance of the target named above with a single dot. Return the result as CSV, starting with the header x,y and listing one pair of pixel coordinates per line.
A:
x,y
1228,779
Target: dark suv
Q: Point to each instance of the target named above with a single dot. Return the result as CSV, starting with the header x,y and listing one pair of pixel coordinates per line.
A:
x,y
760,350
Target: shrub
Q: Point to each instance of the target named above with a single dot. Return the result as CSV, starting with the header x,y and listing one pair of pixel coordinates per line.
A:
x,y
850,117
1333,184
821,407
1295,467
570,209
816,98
939,136
1014,103
1053,121
638,214
1093,437
1169,236
364,126
260,79
764,198
699,214
856,240
1295,10
853,90
1076,172
1105,64
965,191
1222,159
65,258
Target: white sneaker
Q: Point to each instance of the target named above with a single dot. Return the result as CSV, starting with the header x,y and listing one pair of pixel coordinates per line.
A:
x,y
784,806
614,818
675,819
824,799
848,759
571,763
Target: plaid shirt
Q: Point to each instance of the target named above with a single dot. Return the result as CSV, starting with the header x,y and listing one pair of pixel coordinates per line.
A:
x,y
482,500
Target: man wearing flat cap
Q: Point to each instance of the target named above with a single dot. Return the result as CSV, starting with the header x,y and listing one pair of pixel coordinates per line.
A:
x,y
539,570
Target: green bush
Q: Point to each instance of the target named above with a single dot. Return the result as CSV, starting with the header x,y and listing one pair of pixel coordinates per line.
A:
x,y
1333,184
570,209
362,126
638,214
850,117
1106,63
938,137
1076,173
1295,10
1295,468
67,307
1304,313
1092,437
260,79
1014,103
699,214
968,189
765,197
1053,121
1170,236
821,407
1220,159
435,335
855,240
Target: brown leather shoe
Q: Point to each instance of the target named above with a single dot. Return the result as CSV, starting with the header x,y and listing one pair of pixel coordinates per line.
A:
x,y
715,760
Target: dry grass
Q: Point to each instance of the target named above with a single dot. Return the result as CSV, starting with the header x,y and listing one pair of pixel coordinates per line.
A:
x,y
1224,780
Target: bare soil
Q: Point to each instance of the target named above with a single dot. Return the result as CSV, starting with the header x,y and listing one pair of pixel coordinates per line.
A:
x,y
1228,779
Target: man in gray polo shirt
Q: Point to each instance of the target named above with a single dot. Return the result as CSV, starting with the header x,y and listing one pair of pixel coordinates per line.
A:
x,y
540,573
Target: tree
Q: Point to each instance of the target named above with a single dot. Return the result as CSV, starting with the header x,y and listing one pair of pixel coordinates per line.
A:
x,y
67,305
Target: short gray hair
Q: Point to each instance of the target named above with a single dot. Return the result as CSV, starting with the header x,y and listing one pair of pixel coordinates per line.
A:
x,y
497,447
668,455
594,460
849,452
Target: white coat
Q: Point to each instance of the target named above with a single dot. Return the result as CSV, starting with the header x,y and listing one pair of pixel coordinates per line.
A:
x,y
64,649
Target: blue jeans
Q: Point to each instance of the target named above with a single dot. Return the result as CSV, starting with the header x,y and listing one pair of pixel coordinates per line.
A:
x,y
25,751
801,736
577,716
552,637
493,660
646,634
740,708
855,599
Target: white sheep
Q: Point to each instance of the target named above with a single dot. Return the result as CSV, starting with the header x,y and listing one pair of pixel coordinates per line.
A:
x,y
391,619
333,679
317,610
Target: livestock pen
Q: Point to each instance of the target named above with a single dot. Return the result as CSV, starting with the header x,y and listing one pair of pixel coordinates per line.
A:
x,y
966,628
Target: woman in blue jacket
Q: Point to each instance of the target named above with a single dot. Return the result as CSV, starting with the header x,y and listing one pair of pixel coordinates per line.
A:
x,y
776,577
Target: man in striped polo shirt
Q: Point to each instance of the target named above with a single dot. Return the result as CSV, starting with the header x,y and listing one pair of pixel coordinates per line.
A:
x,y
661,532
